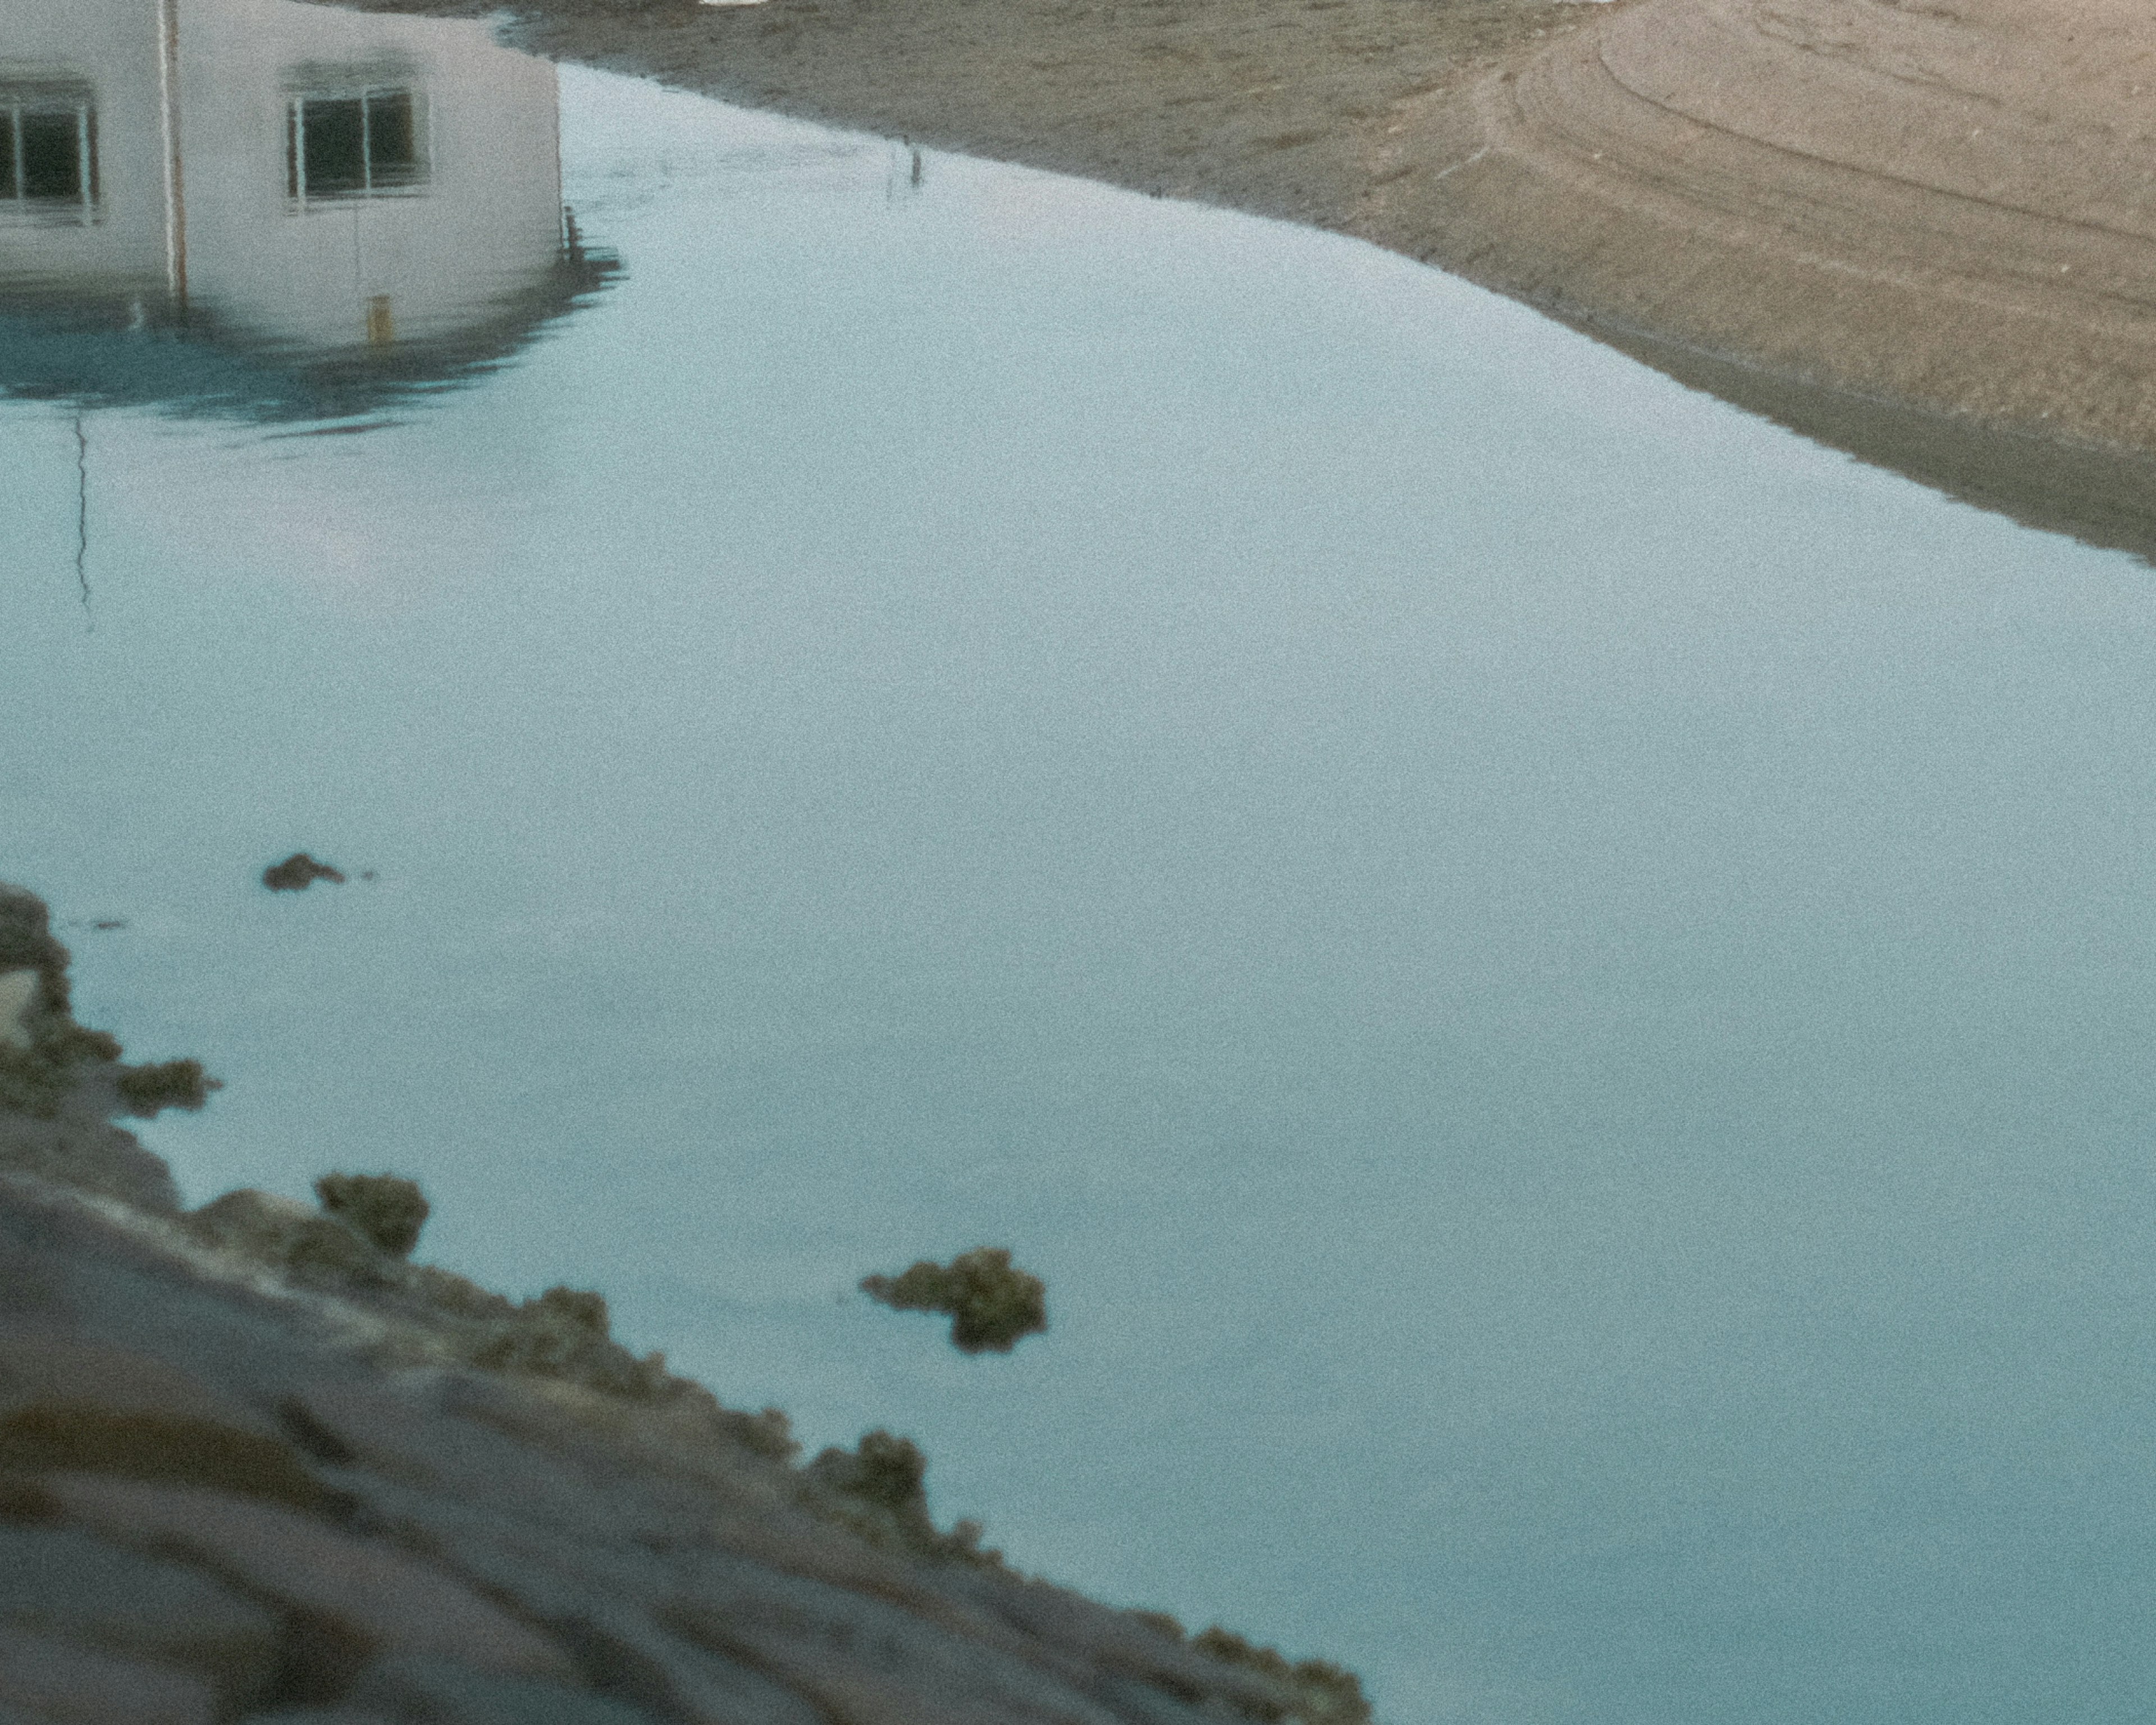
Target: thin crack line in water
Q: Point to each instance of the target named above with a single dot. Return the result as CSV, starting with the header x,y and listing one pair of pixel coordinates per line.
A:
x,y
82,515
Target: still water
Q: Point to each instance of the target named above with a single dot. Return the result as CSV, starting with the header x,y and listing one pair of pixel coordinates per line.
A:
x,y
1559,981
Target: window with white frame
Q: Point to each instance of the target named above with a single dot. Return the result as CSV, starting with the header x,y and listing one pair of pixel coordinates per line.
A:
x,y
358,143
49,150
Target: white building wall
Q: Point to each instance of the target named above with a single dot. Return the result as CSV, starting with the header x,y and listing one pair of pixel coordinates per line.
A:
x,y
319,276
111,45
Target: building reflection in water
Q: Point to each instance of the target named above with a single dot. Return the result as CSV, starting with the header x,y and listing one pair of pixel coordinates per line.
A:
x,y
269,206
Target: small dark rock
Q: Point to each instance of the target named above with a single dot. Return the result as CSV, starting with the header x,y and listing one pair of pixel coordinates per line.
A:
x,y
889,1472
564,1333
1162,1622
577,1308
880,1487
298,872
380,1207
1325,1693
148,1091
991,1303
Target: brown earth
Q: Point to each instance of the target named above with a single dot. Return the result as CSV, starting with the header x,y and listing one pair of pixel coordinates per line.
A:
x,y
1924,230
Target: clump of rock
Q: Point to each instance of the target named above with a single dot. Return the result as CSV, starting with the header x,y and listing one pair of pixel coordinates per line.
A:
x,y
61,1084
298,872
991,1304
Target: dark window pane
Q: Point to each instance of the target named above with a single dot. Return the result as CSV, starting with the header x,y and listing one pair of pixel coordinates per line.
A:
x,y
52,156
393,138
335,146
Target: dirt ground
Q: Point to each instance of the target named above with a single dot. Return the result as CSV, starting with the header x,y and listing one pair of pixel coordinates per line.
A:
x,y
1924,230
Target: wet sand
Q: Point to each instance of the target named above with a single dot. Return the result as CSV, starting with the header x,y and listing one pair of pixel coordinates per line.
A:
x,y
1926,233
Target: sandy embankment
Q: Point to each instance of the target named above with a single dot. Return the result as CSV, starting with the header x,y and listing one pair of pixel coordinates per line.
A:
x,y
1926,233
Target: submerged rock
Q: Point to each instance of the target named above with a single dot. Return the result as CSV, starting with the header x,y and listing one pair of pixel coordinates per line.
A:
x,y
991,1303
298,872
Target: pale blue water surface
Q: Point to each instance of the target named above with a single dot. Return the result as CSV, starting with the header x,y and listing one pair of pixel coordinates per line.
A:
x,y
1558,981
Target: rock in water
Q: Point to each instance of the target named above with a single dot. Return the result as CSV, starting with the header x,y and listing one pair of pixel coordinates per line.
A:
x,y
991,1303
298,872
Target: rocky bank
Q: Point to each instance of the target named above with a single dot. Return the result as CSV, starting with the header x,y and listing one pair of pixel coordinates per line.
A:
x,y
256,1465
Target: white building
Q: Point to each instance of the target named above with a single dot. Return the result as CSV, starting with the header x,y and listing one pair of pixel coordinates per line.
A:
x,y
280,177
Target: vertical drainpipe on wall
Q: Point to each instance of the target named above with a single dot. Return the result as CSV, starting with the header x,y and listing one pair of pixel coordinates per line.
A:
x,y
568,227
176,186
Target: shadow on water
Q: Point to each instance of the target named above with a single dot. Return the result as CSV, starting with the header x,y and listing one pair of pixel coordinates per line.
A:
x,y
2105,498
261,209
